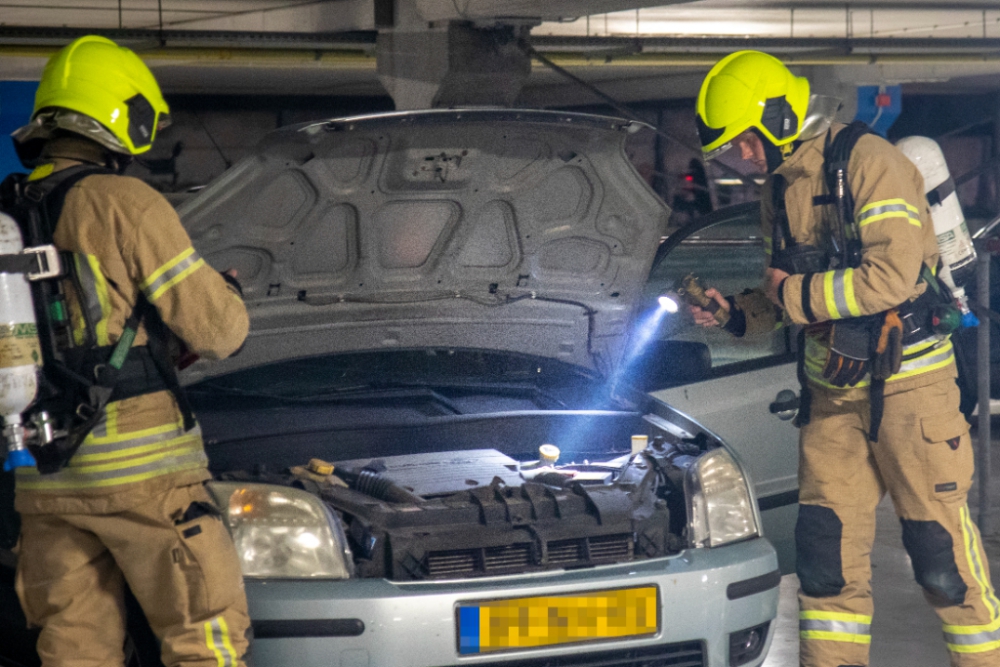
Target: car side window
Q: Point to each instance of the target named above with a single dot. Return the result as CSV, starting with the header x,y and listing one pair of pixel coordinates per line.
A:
x,y
729,256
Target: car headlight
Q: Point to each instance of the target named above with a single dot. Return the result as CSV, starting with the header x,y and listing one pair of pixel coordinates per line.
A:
x,y
283,532
720,508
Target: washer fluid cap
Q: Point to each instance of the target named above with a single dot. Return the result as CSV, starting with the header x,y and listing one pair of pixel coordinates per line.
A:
x,y
320,467
548,454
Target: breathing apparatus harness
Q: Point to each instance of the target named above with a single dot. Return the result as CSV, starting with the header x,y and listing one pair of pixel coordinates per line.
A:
x,y
77,381
866,345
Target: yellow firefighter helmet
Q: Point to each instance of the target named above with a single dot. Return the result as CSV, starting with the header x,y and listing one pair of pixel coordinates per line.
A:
x,y
750,89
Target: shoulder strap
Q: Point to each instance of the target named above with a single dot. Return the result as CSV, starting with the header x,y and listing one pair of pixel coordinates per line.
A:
x,y
45,200
836,158
837,153
49,195
781,233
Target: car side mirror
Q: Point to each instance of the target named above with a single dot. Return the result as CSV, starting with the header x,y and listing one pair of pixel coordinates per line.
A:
x,y
667,363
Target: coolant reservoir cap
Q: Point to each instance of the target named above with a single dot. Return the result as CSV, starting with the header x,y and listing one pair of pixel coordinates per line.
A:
x,y
320,467
548,454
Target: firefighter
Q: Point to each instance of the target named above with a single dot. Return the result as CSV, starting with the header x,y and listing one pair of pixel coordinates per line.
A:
x,y
129,507
870,423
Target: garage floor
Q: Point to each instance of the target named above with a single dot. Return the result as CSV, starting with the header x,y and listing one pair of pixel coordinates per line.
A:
x,y
905,631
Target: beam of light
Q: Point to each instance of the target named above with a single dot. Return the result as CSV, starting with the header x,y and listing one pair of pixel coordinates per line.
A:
x,y
644,332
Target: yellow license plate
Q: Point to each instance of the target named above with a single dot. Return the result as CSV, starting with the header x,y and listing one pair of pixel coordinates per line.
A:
x,y
519,623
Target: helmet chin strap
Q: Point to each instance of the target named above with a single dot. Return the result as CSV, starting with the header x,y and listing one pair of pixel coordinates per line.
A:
x,y
117,162
774,155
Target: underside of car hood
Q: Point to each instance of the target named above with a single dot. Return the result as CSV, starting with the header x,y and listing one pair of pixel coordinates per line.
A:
x,y
524,231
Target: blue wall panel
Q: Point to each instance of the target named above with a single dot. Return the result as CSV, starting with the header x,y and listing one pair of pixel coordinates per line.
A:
x,y
880,118
17,98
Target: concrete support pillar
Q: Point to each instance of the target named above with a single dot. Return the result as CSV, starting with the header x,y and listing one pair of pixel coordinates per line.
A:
x,y
453,64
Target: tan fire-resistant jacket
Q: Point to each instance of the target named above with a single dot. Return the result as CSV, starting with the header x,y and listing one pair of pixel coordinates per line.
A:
x,y
897,237
127,239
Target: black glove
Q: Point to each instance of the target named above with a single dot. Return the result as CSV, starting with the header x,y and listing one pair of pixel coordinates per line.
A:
x,y
232,282
848,359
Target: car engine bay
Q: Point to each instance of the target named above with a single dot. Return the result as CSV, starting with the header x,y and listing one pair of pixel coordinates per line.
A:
x,y
480,512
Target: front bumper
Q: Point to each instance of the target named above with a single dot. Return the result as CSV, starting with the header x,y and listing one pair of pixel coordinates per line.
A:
x,y
705,595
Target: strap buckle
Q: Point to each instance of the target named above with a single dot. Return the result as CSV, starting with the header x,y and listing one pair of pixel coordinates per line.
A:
x,y
35,263
49,262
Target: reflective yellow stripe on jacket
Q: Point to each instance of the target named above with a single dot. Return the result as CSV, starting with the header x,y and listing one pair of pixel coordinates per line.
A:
x,y
835,627
218,641
888,208
95,300
838,291
106,458
924,356
171,273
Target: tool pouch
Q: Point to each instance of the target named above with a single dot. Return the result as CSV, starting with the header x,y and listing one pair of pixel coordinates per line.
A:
x,y
800,258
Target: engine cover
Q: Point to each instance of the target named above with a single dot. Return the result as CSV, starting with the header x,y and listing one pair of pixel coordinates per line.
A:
x,y
553,522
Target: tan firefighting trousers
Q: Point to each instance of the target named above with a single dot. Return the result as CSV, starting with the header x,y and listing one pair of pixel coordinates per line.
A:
x,y
72,570
924,459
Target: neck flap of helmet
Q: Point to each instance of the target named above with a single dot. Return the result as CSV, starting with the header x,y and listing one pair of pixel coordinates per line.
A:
x,y
819,116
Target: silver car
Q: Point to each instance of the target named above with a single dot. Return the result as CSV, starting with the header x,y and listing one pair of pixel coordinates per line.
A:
x,y
438,445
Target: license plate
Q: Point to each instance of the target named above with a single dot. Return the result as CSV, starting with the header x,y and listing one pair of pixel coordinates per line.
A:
x,y
519,623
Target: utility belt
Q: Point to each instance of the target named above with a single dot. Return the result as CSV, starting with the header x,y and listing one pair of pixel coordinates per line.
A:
x,y
139,375
88,379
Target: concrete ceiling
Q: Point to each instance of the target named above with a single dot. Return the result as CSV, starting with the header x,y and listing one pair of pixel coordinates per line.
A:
x,y
327,47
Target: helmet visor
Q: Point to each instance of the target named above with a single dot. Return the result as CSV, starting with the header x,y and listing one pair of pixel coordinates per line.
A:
x,y
709,136
716,152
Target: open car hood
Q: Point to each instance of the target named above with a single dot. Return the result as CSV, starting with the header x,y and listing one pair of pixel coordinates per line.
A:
x,y
523,231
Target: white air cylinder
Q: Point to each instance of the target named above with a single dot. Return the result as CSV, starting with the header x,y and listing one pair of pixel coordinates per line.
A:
x,y
20,353
958,255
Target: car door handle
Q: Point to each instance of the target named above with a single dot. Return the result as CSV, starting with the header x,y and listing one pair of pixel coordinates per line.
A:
x,y
785,404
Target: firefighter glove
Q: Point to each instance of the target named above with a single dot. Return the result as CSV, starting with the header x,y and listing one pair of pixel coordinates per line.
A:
x,y
889,349
847,361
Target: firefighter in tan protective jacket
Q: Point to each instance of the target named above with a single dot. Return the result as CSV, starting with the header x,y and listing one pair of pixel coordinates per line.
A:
x,y
902,431
130,507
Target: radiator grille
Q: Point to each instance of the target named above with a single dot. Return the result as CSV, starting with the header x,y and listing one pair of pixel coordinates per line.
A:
x,y
688,654
514,556
521,556
453,563
610,548
567,552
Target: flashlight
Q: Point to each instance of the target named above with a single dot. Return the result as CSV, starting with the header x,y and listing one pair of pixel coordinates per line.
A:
x,y
693,292
668,302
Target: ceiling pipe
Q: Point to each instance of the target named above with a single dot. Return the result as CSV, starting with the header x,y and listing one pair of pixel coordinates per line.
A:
x,y
355,50
41,36
361,60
